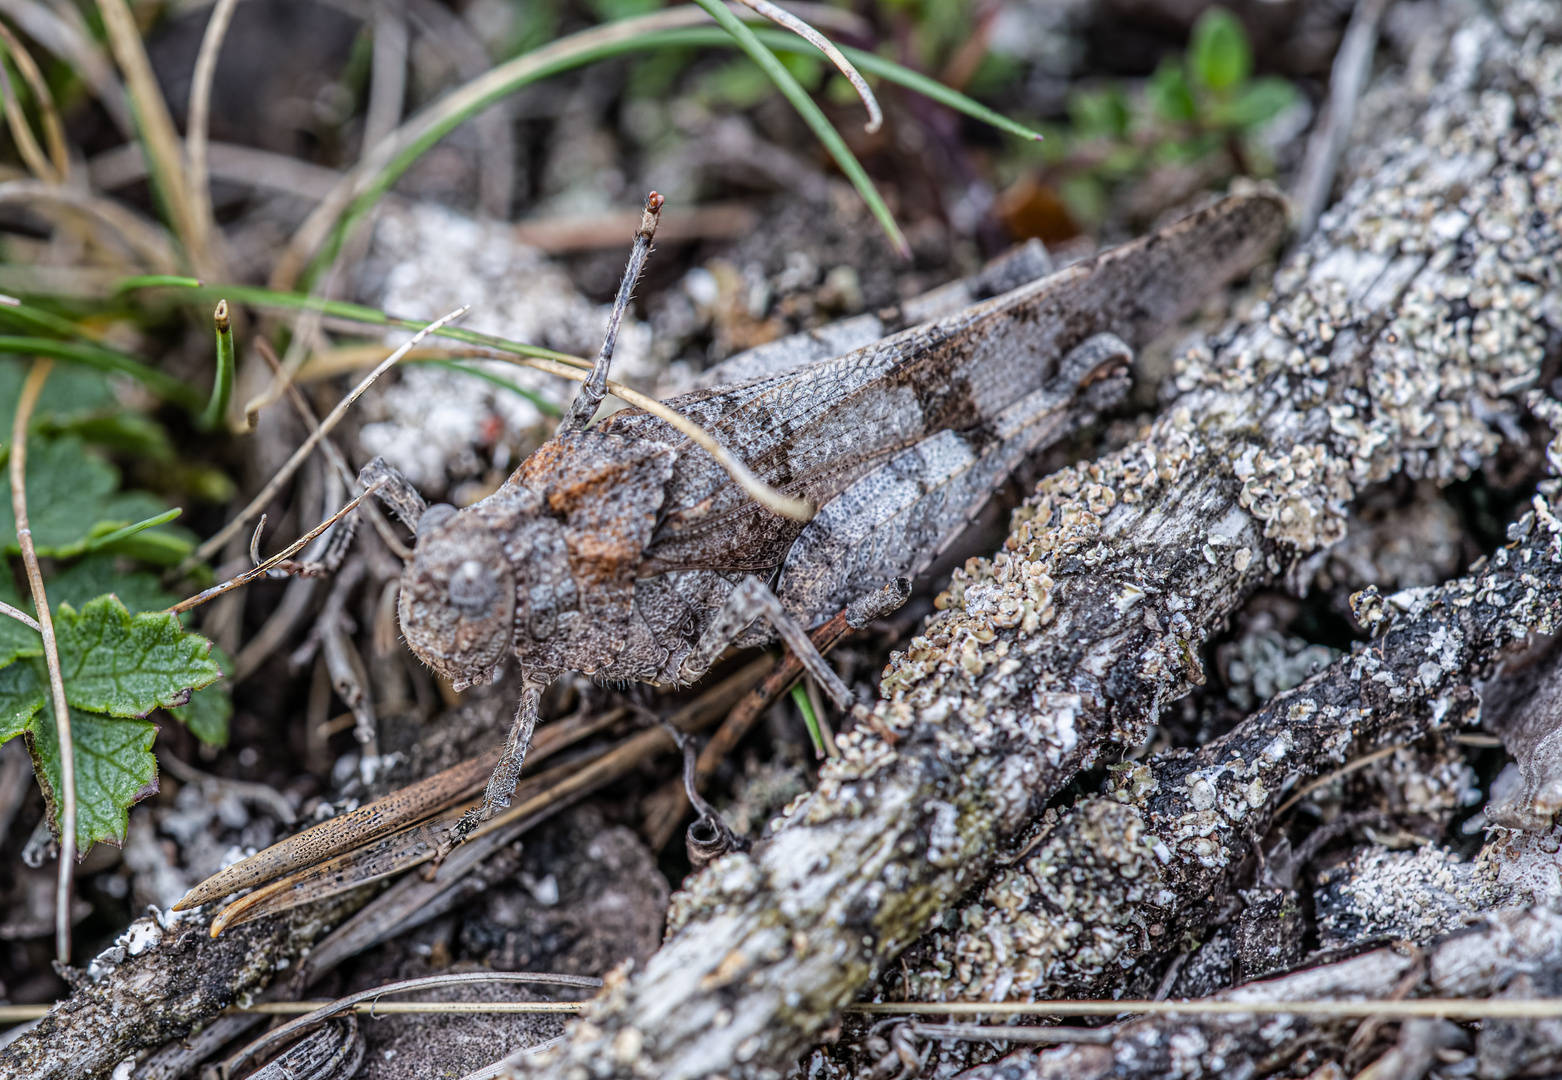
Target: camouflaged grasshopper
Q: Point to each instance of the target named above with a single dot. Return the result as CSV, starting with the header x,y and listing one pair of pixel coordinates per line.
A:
x,y
625,551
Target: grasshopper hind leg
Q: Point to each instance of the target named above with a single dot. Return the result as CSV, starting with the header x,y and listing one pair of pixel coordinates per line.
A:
x,y
751,600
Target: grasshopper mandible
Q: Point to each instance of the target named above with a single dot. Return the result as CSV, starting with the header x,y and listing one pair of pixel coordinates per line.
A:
x,y
625,551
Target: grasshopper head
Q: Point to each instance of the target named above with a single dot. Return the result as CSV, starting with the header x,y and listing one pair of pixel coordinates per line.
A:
x,y
458,595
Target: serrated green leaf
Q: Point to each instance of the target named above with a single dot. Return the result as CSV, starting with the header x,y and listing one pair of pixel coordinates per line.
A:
x,y
22,693
1219,54
115,768
211,708
72,493
16,639
127,665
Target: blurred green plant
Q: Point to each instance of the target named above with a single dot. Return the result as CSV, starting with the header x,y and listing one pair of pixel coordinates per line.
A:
x,y
1197,114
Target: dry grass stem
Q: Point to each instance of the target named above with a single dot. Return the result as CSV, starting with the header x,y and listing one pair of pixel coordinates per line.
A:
x,y
64,33
156,127
785,18
325,1012
1344,770
312,234
214,544
20,616
51,655
198,120
56,167
334,456
286,553
143,241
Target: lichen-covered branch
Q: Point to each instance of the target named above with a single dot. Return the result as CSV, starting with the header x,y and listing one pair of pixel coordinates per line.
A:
x,y
1514,952
1121,876
1396,340
157,983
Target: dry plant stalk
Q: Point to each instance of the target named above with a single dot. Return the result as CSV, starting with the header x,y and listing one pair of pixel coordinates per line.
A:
x,y
1069,641
66,796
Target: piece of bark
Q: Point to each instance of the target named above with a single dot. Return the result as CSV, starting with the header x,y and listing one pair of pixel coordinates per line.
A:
x,y
1473,965
157,983
1122,876
1363,363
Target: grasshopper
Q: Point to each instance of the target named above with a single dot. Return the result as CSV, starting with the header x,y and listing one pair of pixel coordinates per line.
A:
x,y
627,552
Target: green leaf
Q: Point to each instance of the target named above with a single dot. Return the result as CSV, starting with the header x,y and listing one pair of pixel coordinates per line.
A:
x,y
115,768
1258,102
209,709
122,432
1100,113
1219,54
1169,93
23,691
73,496
95,575
70,394
127,665
16,639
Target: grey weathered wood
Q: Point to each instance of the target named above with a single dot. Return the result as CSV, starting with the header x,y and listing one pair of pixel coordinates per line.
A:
x,y
1396,340
163,983
1142,871
1484,963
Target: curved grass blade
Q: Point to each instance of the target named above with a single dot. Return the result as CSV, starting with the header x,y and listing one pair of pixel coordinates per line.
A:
x,y
812,116
130,530
222,387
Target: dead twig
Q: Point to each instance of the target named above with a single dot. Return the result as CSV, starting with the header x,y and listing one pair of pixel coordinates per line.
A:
x,y
276,560
51,655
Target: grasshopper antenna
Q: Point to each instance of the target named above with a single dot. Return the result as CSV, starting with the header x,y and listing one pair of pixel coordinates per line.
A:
x,y
594,389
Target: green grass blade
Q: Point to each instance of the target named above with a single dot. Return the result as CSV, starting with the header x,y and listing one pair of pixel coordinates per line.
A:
x,y
800,696
890,71
222,385
872,63
154,281
130,530
97,356
603,43
544,406
36,320
750,43
256,296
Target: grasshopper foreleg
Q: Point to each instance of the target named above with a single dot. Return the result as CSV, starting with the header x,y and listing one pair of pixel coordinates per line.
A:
x,y
750,600
501,785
